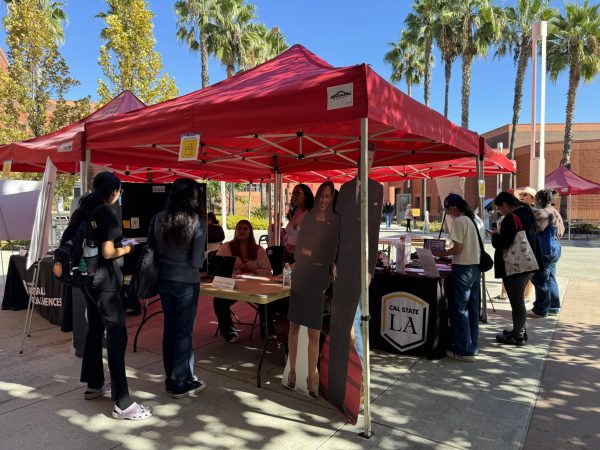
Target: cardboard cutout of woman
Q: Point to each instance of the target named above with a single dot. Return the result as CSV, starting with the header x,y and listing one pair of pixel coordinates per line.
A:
x,y
315,253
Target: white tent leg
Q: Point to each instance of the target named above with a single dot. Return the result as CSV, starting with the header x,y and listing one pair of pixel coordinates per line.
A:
x,y
364,279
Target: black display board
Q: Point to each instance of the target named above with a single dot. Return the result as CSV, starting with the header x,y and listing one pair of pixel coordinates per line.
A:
x,y
140,202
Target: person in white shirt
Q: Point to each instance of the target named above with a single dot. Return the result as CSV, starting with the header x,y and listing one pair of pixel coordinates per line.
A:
x,y
463,297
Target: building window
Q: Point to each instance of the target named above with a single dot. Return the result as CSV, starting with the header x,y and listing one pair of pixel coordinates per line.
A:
x,y
417,202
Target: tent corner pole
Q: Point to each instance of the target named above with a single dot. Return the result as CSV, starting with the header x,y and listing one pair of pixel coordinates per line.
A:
x,y
84,169
364,278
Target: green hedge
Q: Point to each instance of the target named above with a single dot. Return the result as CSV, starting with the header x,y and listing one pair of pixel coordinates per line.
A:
x,y
258,223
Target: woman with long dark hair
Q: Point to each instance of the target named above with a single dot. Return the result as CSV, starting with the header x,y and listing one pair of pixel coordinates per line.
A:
x,y
104,304
463,298
250,258
550,228
301,203
510,206
180,234
315,254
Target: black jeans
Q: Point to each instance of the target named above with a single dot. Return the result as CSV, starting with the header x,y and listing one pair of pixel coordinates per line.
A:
x,y
515,289
179,302
408,225
105,311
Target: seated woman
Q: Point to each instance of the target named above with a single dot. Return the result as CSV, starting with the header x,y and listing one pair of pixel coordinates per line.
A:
x,y
251,258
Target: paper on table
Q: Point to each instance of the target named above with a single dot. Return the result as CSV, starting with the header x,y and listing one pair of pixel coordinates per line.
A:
x,y
126,242
428,263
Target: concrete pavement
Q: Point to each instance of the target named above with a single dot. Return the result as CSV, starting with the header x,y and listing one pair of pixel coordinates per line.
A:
x,y
543,395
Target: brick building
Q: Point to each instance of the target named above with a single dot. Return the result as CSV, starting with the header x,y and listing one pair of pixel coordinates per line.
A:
x,y
585,159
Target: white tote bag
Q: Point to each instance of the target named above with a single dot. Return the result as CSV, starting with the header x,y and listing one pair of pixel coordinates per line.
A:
x,y
519,257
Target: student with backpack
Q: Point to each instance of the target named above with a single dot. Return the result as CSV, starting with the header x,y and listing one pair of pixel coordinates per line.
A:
x,y
97,220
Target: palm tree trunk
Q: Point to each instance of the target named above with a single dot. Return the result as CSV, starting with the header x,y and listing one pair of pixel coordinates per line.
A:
x,y
466,88
230,70
427,81
574,76
447,74
204,57
409,88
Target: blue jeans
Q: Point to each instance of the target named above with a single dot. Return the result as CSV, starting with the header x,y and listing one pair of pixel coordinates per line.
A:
x,y
180,302
463,308
358,336
388,219
546,290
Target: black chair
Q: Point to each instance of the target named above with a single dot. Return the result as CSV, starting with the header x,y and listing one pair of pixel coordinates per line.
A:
x,y
263,239
275,254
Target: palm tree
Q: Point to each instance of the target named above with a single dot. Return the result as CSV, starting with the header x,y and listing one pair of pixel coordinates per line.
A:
x,y
192,18
231,38
407,61
448,33
517,41
480,24
265,45
420,28
573,43
55,14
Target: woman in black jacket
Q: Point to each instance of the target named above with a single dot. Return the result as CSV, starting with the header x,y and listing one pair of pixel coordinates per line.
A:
x,y
509,206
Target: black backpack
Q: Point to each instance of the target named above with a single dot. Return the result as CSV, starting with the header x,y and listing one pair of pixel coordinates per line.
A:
x,y
71,265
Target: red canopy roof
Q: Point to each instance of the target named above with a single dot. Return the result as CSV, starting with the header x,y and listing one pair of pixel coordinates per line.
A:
x,y
494,163
64,146
251,123
567,182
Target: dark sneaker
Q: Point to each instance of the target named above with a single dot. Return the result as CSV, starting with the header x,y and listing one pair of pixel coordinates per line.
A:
x,y
531,313
192,388
553,312
509,339
525,337
456,356
232,337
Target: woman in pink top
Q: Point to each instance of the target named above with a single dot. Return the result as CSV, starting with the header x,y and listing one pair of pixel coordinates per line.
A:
x,y
250,258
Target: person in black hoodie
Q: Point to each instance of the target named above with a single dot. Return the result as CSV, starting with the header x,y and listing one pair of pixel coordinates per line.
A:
x,y
508,205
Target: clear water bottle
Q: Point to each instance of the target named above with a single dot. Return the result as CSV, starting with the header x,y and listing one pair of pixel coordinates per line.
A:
x,y
90,257
287,275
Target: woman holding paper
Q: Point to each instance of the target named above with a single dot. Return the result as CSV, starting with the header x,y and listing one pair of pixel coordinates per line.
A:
x,y
179,233
103,298
463,298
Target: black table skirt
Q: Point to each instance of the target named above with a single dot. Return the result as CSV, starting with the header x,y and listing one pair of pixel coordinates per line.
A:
x,y
52,299
413,313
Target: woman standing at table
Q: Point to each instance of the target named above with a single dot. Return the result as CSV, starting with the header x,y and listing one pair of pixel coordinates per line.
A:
x,y
315,253
180,235
300,205
463,298
103,298
250,258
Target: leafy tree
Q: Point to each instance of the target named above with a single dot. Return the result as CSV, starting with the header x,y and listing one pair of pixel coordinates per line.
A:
x,y
448,33
264,45
573,44
407,61
481,26
516,39
231,38
192,18
36,73
420,26
128,59
54,13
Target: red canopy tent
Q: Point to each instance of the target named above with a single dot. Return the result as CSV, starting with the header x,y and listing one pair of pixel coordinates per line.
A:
x,y
292,113
566,182
65,146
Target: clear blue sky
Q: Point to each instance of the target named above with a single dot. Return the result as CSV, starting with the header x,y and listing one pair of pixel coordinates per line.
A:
x,y
341,32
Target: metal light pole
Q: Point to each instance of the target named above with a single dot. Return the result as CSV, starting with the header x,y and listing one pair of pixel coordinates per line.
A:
x,y
537,166
499,148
